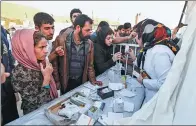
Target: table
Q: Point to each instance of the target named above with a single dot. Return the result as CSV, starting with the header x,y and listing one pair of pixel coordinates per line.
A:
x,y
38,117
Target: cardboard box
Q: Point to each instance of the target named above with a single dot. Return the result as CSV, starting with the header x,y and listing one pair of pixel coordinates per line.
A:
x,y
103,94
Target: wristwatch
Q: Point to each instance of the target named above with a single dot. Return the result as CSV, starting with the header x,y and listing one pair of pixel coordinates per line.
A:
x,y
46,86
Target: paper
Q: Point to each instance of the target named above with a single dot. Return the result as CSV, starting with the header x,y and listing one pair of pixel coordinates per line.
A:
x,y
85,108
98,104
111,104
127,93
116,86
94,96
69,110
115,116
104,120
92,87
80,99
128,106
85,120
118,105
85,91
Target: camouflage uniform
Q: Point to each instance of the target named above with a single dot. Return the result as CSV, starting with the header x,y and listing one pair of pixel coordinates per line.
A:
x,y
28,83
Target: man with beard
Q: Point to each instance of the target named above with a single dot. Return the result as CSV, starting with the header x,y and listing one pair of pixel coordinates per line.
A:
x,y
115,39
127,28
76,66
73,14
121,31
45,24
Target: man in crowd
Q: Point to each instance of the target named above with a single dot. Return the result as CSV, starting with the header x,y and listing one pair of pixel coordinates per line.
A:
x,y
8,100
45,24
117,39
127,28
101,24
76,66
121,31
73,14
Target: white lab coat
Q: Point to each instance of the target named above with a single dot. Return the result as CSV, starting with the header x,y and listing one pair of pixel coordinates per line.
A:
x,y
158,61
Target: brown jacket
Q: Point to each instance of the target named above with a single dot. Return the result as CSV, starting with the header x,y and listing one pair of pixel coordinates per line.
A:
x,y
61,63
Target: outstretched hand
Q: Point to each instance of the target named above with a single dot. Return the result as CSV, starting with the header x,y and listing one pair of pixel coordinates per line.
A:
x,y
99,83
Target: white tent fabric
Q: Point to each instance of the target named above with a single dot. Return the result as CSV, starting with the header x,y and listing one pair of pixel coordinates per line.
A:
x,y
175,103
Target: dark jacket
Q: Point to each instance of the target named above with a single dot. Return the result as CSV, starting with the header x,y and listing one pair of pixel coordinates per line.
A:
x,y
61,64
63,30
103,53
102,58
8,101
7,58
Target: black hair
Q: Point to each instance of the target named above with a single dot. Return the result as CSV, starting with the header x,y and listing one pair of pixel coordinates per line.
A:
x,y
42,18
103,23
103,33
37,36
81,20
127,25
75,10
120,27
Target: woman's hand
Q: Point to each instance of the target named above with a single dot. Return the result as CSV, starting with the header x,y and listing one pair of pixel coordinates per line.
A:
x,y
99,83
46,72
140,79
117,56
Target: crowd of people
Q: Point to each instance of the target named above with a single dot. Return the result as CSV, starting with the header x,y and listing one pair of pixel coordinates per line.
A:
x,y
37,67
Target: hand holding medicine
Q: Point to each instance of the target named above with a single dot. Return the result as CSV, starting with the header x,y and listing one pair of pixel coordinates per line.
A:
x,y
117,56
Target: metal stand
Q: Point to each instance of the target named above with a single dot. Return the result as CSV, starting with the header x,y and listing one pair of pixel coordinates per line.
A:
x,y
126,44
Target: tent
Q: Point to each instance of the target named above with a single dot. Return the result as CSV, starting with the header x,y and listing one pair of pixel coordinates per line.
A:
x,y
175,103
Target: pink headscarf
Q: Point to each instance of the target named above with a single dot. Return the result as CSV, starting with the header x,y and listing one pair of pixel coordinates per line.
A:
x,y
23,52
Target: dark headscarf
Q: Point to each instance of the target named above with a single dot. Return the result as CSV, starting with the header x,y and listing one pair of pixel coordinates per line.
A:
x,y
102,34
153,33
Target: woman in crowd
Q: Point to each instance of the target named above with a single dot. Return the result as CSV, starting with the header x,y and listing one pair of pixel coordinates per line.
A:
x,y
103,58
156,56
32,76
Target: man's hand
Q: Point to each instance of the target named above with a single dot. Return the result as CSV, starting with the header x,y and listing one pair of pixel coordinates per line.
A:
x,y
4,75
99,83
59,51
132,35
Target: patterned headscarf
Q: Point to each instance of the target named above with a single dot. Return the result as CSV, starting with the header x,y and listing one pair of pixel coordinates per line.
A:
x,y
153,33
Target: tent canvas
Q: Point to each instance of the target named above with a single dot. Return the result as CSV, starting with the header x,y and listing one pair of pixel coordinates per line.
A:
x,y
175,102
